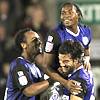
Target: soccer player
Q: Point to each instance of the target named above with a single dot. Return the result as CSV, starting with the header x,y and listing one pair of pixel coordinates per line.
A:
x,y
70,28
70,59
24,79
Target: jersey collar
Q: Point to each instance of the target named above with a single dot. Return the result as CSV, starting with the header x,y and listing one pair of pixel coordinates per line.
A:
x,y
21,57
72,33
76,70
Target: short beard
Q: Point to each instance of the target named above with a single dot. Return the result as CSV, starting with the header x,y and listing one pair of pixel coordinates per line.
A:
x,y
33,56
68,72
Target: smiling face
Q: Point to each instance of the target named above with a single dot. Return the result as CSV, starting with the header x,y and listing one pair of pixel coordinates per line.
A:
x,y
67,63
69,15
33,44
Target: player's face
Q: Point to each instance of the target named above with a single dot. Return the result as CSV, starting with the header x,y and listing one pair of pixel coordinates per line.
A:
x,y
66,63
33,43
69,16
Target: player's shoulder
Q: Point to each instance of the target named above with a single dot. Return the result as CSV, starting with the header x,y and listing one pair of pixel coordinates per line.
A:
x,y
16,62
13,64
54,33
84,75
84,27
55,30
60,27
85,30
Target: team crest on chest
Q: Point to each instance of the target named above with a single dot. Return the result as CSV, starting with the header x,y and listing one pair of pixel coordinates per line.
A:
x,y
85,40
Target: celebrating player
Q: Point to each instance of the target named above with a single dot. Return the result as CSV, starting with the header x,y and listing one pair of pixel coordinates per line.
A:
x,y
70,58
24,77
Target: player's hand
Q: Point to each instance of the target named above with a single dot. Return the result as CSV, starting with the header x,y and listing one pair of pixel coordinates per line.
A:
x,y
60,70
87,64
72,86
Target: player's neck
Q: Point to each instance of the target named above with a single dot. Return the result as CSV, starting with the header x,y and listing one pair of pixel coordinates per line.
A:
x,y
73,29
24,55
27,57
78,65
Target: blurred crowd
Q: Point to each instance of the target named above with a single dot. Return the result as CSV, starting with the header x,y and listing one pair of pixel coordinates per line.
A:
x,y
17,14
14,15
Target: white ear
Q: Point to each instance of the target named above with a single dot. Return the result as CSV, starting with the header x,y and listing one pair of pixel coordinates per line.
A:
x,y
23,45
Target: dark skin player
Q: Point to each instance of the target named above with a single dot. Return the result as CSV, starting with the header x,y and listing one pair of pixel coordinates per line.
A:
x,y
30,49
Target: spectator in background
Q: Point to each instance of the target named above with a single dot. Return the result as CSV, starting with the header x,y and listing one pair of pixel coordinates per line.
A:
x,y
2,41
5,71
98,93
7,17
4,9
6,45
36,19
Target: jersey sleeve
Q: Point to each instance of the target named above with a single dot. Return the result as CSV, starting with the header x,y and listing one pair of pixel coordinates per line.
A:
x,y
52,43
89,35
21,77
81,82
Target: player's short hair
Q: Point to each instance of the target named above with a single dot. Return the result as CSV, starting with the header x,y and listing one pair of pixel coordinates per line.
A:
x,y
74,48
20,37
75,5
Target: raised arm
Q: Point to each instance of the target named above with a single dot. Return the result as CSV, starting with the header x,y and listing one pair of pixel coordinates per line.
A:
x,y
47,64
87,64
87,50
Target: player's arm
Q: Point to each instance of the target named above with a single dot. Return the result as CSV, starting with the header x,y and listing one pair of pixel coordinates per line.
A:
x,y
23,81
89,38
47,62
79,96
87,51
51,47
86,59
73,97
35,88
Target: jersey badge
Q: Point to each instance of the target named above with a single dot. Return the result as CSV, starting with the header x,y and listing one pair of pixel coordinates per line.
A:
x,y
22,78
85,40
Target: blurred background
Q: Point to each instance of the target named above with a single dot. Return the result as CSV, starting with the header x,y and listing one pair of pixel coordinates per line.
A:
x,y
42,16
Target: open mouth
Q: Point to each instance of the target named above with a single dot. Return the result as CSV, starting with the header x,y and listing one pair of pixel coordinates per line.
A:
x,y
67,21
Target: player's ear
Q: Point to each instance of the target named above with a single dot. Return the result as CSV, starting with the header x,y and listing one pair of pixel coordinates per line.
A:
x,y
76,61
23,45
